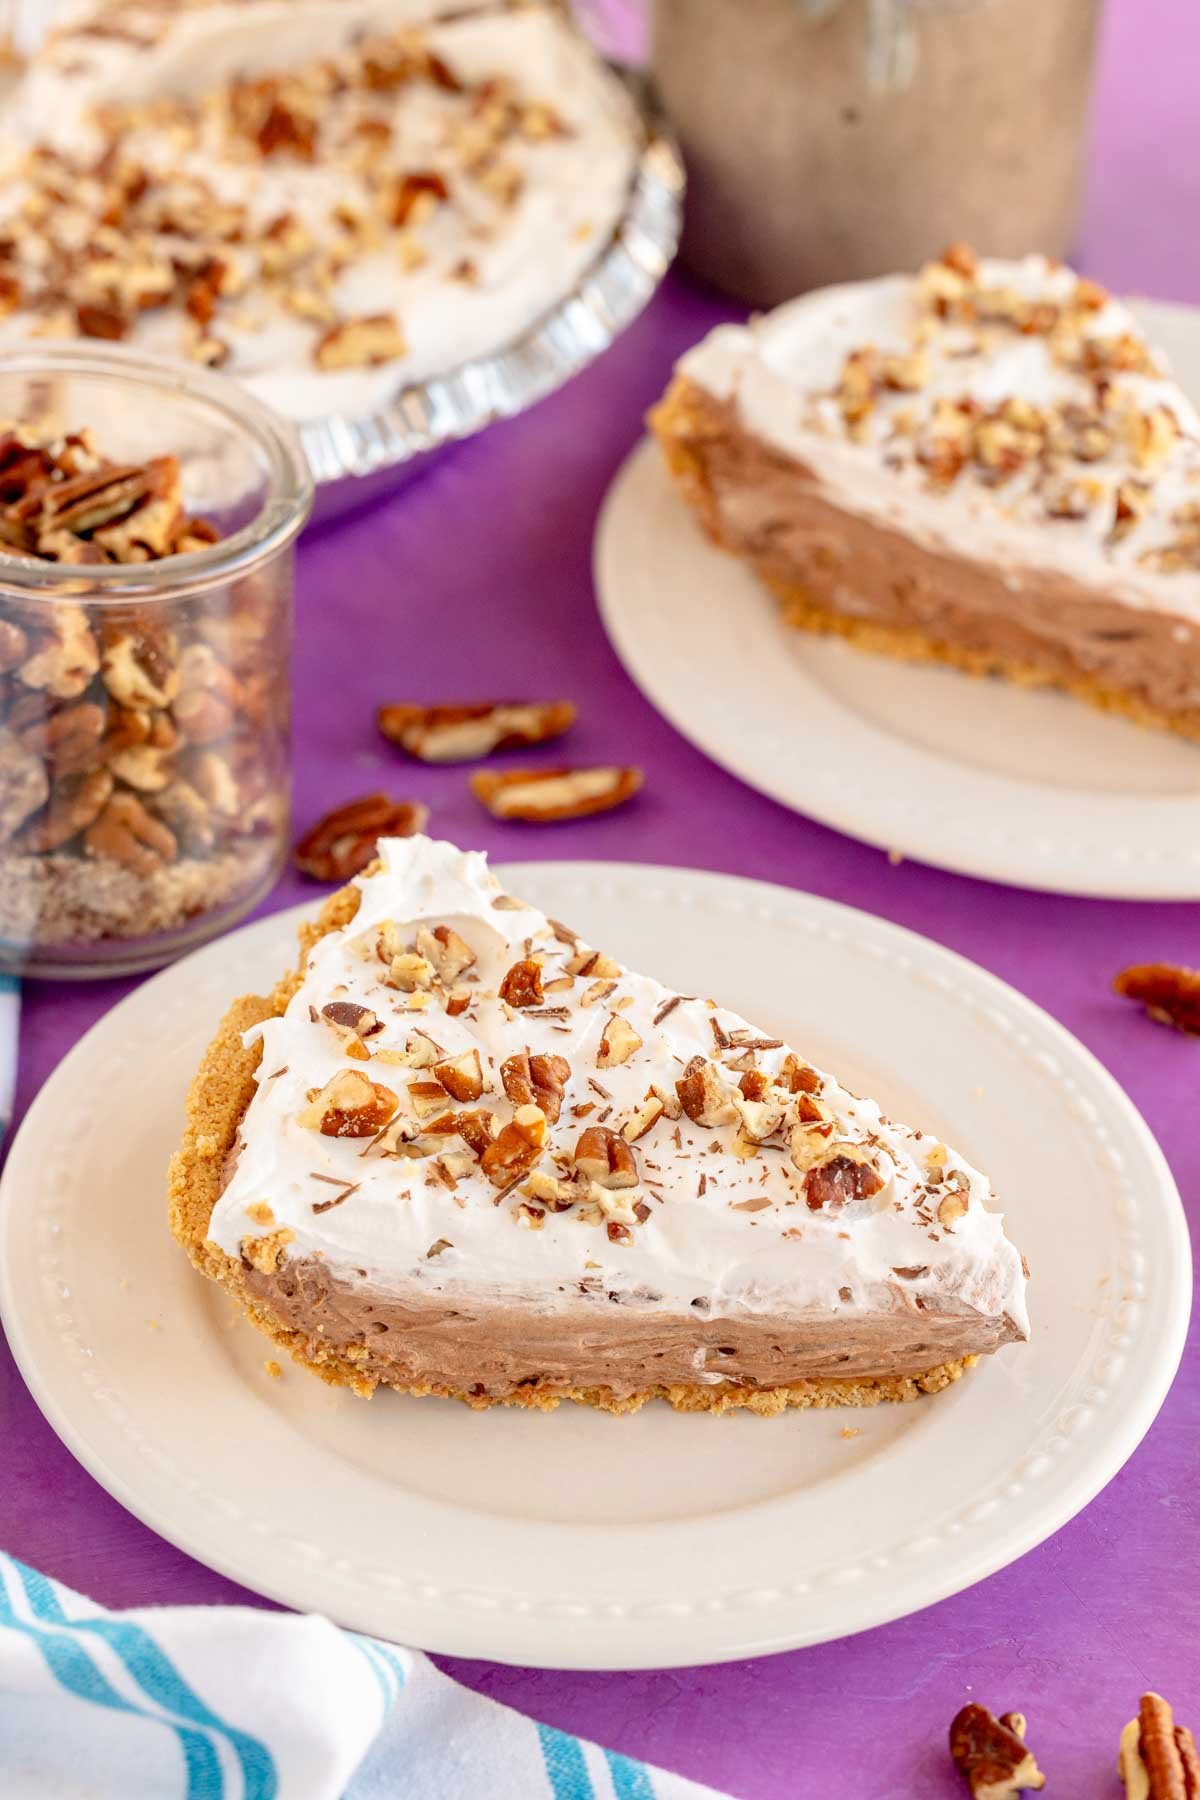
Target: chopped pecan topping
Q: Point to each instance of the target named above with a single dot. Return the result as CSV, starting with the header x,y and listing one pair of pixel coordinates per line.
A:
x,y
416,193
831,1184
461,1076
545,796
463,733
618,1042
588,963
350,1105
448,953
361,343
603,1157
410,972
348,1018
522,985
799,1077
1169,993
536,1081
510,1156
703,1096
475,1129
342,843
990,1754
644,1119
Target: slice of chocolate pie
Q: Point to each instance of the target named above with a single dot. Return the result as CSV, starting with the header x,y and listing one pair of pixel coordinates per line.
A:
x,y
983,465
460,1152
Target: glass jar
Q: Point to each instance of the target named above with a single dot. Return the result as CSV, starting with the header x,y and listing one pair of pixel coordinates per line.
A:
x,y
831,140
144,704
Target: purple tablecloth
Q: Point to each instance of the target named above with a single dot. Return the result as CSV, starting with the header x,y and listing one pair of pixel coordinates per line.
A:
x,y
477,580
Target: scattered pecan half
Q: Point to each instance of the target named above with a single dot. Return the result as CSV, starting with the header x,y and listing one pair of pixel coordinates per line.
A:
x,y
463,733
1169,993
990,1754
1158,1759
342,843
543,796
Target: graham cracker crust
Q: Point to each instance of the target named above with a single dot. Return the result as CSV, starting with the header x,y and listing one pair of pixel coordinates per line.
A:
x,y
803,613
221,1091
686,421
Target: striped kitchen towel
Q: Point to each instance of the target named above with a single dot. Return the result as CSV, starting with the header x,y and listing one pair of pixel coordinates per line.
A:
x,y
227,1703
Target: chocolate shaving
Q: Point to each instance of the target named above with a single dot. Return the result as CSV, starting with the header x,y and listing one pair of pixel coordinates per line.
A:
x,y
322,1206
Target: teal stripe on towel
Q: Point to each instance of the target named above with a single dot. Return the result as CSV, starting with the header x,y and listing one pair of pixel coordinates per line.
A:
x,y
74,1670
630,1779
158,1677
565,1767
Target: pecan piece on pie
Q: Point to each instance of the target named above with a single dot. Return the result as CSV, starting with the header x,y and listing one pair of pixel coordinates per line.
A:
x,y
543,796
1158,1759
605,1158
522,985
840,1179
462,733
536,1081
511,1156
990,1754
1169,993
360,343
350,1105
342,843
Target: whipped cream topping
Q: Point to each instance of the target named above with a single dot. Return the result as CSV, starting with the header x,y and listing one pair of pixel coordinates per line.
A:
x,y
227,181
804,1197
1008,411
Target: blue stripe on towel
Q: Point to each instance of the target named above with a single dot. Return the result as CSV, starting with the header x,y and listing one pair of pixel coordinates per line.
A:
x,y
158,1677
379,1669
630,1780
75,1671
565,1767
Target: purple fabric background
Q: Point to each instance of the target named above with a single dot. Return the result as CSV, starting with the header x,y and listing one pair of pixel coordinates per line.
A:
x,y
477,579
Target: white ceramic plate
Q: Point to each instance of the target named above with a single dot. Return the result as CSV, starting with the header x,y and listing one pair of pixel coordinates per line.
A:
x,y
576,1539
982,777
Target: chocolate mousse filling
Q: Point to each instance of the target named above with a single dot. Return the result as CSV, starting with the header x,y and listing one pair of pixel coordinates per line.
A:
x,y
461,1343
837,571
